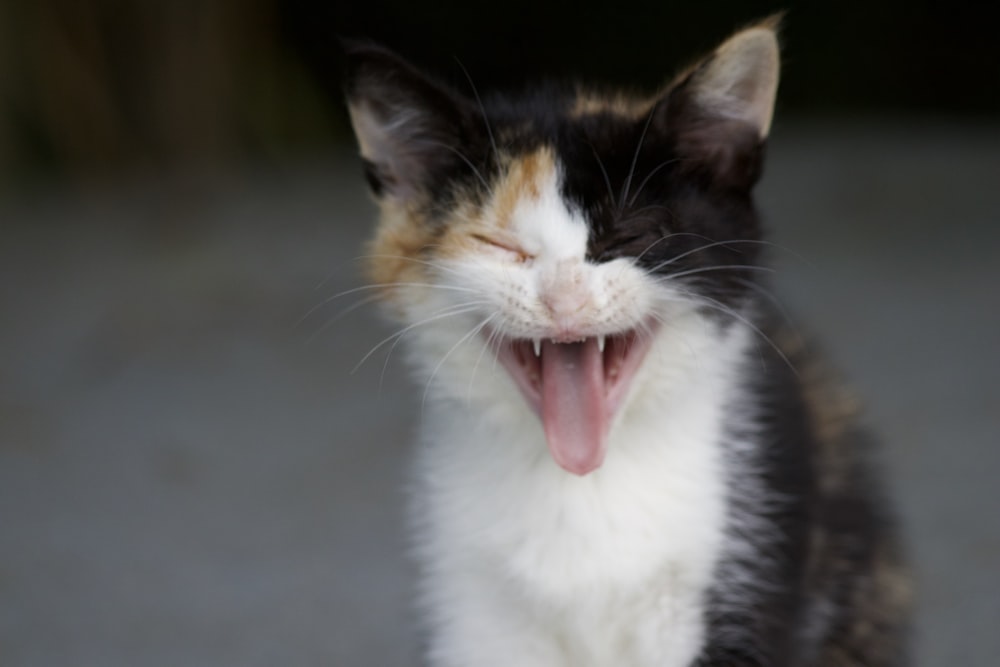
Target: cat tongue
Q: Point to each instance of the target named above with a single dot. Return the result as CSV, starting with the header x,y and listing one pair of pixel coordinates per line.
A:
x,y
573,404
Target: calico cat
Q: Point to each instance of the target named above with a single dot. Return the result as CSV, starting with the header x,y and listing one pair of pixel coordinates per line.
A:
x,y
625,460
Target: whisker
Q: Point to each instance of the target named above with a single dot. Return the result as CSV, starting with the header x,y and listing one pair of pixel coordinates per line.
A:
x,y
434,265
336,318
467,161
482,109
475,330
721,267
651,173
667,237
667,323
491,344
328,278
604,173
333,320
713,244
363,288
392,348
494,342
451,311
652,207
697,301
635,157
774,301
702,300
799,340
701,248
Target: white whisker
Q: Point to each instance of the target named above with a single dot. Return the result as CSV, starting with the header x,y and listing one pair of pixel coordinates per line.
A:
x,y
778,306
482,109
713,244
468,162
490,345
475,330
651,173
702,300
635,158
604,173
667,237
336,318
451,311
386,286
434,265
721,267
686,253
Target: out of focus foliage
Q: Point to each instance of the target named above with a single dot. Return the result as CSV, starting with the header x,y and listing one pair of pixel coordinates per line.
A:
x,y
92,87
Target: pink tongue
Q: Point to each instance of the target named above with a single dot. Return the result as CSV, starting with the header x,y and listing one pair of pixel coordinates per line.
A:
x,y
573,404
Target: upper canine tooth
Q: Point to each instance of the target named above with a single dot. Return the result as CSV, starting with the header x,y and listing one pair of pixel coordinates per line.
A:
x,y
537,343
600,343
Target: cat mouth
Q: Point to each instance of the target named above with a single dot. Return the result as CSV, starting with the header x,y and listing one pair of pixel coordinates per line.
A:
x,y
576,388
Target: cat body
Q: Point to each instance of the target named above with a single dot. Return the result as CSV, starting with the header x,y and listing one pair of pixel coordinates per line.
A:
x,y
624,461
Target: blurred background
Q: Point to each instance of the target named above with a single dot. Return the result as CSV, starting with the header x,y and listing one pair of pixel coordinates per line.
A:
x,y
193,472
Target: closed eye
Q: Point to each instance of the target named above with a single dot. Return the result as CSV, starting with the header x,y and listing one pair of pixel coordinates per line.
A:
x,y
508,249
624,245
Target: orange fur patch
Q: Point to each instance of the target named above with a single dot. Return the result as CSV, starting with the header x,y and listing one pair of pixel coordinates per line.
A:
x,y
471,227
589,104
397,247
522,181
405,242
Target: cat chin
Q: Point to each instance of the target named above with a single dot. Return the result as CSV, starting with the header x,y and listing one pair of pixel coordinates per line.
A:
x,y
575,385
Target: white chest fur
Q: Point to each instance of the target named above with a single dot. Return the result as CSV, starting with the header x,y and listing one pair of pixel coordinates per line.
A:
x,y
525,564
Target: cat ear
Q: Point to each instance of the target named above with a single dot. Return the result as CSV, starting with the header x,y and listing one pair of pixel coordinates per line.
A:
x,y
720,111
408,127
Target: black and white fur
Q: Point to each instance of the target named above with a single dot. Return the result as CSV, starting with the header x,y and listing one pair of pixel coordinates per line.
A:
x,y
733,519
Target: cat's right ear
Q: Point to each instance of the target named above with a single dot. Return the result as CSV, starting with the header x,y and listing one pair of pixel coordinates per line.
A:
x,y
719,113
408,127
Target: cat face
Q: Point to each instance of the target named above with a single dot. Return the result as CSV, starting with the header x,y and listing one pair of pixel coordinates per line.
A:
x,y
564,234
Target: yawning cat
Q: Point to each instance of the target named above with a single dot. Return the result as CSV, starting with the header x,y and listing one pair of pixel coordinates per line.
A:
x,y
625,460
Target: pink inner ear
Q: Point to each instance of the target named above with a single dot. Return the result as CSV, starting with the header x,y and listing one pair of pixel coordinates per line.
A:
x,y
388,143
740,81
406,122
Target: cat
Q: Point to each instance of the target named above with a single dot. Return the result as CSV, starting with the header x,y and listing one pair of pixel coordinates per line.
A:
x,y
626,459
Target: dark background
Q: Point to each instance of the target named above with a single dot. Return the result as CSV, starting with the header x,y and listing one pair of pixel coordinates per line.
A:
x,y
862,56
194,468
89,87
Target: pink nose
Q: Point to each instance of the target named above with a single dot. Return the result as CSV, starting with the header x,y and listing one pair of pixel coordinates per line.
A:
x,y
565,296
564,304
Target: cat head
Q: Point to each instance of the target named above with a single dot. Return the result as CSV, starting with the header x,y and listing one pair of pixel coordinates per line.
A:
x,y
572,235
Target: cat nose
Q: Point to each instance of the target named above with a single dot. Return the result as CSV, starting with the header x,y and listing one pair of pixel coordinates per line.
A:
x,y
564,304
565,296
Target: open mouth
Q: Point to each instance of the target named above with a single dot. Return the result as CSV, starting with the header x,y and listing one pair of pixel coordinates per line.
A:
x,y
576,388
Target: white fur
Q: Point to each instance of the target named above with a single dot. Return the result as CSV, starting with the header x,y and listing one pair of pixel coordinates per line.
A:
x,y
523,563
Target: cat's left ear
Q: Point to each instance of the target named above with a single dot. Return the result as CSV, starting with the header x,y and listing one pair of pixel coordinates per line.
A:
x,y
408,126
719,113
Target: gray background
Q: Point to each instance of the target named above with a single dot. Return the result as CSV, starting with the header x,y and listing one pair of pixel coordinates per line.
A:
x,y
191,475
